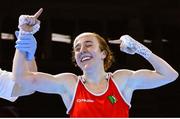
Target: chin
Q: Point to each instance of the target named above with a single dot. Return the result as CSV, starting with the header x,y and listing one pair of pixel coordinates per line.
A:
x,y
88,68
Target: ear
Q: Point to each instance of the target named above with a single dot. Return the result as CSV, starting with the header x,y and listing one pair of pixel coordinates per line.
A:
x,y
103,55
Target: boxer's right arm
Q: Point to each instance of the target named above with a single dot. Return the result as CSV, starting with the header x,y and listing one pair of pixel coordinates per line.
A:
x,y
38,81
26,43
20,90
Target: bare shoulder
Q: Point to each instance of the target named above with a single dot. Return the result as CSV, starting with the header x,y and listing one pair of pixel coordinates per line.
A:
x,y
122,73
67,77
121,77
68,80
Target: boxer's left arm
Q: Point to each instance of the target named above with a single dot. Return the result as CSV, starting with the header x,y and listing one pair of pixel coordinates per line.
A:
x,y
162,74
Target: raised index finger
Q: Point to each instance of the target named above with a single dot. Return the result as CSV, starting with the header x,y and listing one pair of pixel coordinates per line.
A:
x,y
115,41
38,13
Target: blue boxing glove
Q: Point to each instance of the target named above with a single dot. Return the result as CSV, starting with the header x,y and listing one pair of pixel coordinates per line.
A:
x,y
26,43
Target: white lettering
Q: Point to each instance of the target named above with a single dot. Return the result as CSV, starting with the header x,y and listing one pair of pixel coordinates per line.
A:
x,y
85,100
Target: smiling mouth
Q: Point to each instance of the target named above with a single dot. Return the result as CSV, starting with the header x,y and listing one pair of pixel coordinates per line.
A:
x,y
86,58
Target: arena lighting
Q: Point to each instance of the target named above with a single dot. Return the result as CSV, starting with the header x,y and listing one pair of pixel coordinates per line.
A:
x,y
7,36
147,41
164,40
61,38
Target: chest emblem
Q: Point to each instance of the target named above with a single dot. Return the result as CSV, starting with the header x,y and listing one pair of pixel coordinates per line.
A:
x,y
112,99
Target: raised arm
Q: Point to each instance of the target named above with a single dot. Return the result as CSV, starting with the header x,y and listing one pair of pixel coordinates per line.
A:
x,y
162,74
37,81
8,88
26,47
32,66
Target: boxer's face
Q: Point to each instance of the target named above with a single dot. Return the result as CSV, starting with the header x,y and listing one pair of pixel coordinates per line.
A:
x,y
87,51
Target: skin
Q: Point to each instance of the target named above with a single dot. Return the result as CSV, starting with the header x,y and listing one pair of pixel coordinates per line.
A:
x,y
86,48
18,90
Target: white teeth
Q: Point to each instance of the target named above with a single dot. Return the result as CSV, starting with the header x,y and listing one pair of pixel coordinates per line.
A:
x,y
85,58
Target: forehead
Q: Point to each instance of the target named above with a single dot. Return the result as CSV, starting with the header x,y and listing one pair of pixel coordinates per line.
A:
x,y
85,37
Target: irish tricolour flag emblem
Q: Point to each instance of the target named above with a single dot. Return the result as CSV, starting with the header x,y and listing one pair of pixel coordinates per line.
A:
x,y
112,99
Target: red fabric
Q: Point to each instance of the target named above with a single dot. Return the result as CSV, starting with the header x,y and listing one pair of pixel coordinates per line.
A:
x,y
88,105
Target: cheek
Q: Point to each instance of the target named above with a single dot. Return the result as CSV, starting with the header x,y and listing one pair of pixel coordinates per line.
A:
x,y
76,55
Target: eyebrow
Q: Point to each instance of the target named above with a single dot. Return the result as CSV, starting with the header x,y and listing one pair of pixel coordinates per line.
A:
x,y
88,41
85,42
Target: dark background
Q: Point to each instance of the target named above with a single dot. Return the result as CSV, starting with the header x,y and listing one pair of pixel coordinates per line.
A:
x,y
142,19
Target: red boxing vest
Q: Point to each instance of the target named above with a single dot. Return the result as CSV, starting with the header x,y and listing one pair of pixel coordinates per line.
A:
x,y
108,104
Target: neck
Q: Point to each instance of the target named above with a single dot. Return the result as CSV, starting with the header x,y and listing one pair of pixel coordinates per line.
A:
x,y
95,76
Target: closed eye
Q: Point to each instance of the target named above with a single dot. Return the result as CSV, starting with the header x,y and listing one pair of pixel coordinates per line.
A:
x,y
88,43
77,48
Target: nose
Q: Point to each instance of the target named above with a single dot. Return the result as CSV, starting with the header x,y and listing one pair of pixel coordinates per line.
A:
x,y
83,49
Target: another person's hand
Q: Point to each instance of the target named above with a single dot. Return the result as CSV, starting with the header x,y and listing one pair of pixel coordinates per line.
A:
x,y
26,43
131,46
